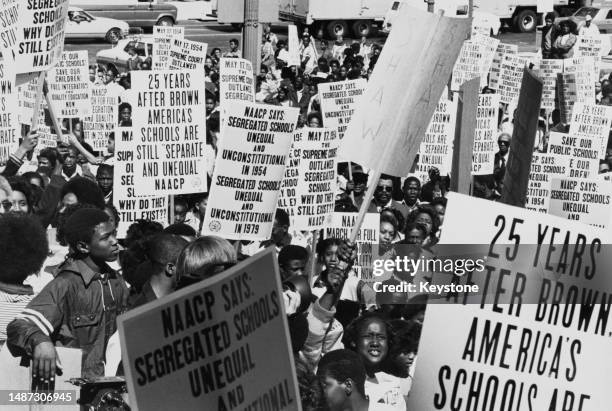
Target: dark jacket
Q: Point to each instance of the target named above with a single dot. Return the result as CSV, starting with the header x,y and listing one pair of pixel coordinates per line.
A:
x,y
78,308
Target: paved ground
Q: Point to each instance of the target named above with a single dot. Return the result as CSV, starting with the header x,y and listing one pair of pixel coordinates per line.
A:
x,y
218,35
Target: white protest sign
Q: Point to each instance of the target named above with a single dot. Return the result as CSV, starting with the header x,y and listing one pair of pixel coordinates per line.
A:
x,y
514,346
187,55
163,36
249,169
583,69
103,119
485,137
226,337
236,81
287,198
591,46
316,178
9,123
549,68
566,92
510,78
584,200
503,49
40,34
474,60
543,168
338,102
368,236
294,46
69,85
26,100
130,206
592,120
582,151
170,115
46,139
9,10
436,149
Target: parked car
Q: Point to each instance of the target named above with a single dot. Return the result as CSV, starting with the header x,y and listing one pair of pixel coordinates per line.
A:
x,y
137,13
118,56
82,25
602,18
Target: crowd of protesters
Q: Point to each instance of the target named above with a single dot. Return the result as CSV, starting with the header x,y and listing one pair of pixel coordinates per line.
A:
x,y
65,275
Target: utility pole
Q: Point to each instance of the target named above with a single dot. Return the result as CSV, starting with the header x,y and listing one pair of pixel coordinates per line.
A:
x,y
430,5
471,8
251,34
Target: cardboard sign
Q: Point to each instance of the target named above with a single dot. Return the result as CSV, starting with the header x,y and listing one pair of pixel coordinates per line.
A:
x,y
46,139
514,349
566,93
582,152
8,28
510,77
387,143
209,346
436,149
103,119
236,81
549,68
543,168
588,46
338,102
69,85
583,69
249,169
503,49
9,124
485,137
316,178
474,60
287,198
163,36
130,206
26,94
187,55
170,113
592,120
40,34
368,236
584,200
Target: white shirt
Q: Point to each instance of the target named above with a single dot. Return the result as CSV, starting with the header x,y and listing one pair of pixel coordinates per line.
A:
x,y
385,388
590,31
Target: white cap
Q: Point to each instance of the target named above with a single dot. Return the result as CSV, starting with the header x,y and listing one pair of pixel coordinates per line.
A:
x,y
588,17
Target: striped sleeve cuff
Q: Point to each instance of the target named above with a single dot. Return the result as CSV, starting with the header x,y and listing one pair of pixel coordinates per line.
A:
x,y
16,159
38,319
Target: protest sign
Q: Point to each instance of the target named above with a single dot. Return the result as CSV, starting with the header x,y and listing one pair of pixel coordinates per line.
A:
x,y
294,46
523,138
9,9
103,119
543,168
40,34
208,346
187,55
69,86
397,85
46,139
510,77
26,100
436,149
316,178
236,81
549,68
463,140
170,113
583,70
163,36
338,102
368,236
9,125
249,169
503,49
582,152
584,200
132,207
485,137
566,95
474,60
287,198
592,120
514,349
591,46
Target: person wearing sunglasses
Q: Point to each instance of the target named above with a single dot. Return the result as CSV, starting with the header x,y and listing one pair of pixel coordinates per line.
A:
x,y
383,196
501,159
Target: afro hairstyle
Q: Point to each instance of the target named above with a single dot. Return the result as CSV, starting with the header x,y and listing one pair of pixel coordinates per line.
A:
x,y
85,190
23,247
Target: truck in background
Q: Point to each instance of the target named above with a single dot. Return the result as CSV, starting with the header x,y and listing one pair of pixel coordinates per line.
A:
x,y
336,17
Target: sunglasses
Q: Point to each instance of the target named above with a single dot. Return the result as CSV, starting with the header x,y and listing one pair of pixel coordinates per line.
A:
x,y
506,143
384,188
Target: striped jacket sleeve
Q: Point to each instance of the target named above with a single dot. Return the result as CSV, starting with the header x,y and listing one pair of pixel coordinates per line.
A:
x,y
39,320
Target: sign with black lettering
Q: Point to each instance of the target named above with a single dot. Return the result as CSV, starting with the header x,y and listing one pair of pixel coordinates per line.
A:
x,y
187,55
209,346
593,120
531,338
287,198
236,81
474,60
584,200
316,178
338,102
103,119
9,9
502,50
543,168
170,128
40,34
510,78
250,166
590,46
163,36
583,68
582,152
566,93
69,85
549,68
26,98
485,137
9,125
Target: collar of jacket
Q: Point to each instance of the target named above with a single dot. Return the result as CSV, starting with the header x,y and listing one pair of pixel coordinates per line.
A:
x,y
87,274
16,289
